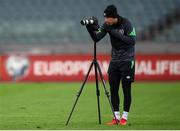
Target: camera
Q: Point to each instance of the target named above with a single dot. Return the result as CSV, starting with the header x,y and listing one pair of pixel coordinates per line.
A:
x,y
91,21
87,21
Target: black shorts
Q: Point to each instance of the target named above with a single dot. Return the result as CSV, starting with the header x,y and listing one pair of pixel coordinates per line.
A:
x,y
125,69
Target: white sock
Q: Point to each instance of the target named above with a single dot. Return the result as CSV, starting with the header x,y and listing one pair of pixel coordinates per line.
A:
x,y
125,115
116,113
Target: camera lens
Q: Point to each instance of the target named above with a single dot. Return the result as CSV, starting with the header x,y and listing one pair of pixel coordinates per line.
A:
x,y
86,21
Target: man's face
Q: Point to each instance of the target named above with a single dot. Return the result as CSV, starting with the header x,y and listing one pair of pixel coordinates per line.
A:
x,y
110,20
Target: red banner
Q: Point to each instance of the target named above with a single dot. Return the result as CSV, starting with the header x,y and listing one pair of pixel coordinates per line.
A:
x,y
1,67
46,68
158,67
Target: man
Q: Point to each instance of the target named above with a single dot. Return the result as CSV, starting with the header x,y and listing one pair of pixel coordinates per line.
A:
x,y
122,64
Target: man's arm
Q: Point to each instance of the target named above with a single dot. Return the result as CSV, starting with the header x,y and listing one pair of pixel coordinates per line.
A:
x,y
96,32
129,37
125,39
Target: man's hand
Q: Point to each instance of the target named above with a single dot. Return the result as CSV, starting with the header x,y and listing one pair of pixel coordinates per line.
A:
x,y
95,20
95,25
107,27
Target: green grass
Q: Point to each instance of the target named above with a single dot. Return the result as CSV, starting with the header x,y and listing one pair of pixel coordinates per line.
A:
x,y
47,106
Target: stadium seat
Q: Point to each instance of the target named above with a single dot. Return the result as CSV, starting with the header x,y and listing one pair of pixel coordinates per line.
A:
x,y
57,21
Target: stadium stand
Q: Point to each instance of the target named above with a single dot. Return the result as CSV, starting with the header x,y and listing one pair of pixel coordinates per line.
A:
x,y
57,21
170,34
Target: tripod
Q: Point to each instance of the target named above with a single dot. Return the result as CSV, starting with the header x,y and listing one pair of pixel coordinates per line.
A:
x,y
97,69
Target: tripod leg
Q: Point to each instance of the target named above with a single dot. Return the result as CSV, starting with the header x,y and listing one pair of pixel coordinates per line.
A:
x,y
79,93
97,91
106,92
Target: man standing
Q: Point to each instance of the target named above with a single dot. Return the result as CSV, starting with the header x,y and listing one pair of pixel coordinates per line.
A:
x,y
122,64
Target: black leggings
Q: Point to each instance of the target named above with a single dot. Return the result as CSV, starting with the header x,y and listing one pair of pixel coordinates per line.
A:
x,y
114,81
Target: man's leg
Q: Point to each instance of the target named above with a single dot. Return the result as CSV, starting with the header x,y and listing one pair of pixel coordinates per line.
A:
x,y
128,70
114,81
126,85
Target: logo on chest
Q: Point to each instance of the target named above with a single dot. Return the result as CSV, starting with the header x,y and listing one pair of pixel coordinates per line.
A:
x,y
121,31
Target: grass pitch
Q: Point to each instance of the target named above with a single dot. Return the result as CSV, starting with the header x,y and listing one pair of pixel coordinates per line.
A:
x,y
47,106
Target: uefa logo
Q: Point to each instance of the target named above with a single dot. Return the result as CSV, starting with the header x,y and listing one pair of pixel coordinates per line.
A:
x,y
17,66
